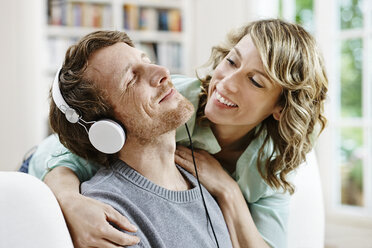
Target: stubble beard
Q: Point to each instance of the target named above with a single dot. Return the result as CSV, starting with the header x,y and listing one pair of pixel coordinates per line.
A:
x,y
148,132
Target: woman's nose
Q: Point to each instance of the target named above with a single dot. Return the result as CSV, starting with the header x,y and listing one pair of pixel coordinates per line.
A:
x,y
230,82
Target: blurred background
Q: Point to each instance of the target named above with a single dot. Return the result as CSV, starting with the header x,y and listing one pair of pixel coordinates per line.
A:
x,y
179,34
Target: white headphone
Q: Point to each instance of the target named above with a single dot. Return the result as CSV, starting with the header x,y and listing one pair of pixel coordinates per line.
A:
x,y
105,135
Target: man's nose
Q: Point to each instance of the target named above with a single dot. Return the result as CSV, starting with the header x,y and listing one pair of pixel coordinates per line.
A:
x,y
158,75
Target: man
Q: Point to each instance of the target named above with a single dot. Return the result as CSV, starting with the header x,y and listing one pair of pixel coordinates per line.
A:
x,y
105,77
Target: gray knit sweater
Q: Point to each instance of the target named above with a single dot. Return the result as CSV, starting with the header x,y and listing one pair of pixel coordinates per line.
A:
x,y
165,218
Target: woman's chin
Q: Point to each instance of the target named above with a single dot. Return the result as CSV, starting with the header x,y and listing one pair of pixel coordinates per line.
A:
x,y
211,115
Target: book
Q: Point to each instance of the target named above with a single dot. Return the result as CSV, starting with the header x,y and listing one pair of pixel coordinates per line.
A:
x,y
163,20
131,17
148,19
174,20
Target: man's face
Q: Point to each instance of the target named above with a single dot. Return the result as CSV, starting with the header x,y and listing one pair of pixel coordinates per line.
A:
x,y
141,93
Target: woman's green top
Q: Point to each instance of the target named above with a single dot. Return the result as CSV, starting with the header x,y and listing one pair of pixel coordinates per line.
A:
x,y
269,207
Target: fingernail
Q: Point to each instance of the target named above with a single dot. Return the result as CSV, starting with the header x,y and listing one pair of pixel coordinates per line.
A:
x,y
134,228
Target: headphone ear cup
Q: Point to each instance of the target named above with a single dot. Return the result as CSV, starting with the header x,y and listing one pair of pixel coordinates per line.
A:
x,y
107,136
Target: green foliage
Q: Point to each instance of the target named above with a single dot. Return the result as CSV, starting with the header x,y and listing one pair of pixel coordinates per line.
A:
x,y
351,14
351,78
303,6
356,175
351,141
352,166
304,14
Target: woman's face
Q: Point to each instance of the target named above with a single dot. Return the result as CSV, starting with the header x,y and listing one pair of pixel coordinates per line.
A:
x,y
240,93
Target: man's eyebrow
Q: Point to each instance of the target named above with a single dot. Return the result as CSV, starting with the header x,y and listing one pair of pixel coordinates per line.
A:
x,y
145,57
126,69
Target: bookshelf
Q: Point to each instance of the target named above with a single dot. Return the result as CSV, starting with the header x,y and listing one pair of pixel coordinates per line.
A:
x,y
158,27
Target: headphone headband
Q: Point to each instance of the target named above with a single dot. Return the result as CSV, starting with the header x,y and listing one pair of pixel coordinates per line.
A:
x,y
70,113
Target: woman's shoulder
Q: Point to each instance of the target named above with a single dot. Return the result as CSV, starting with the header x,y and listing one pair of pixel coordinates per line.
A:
x,y
182,80
46,150
255,189
51,153
189,87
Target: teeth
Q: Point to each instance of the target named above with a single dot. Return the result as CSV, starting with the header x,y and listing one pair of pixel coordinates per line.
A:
x,y
224,101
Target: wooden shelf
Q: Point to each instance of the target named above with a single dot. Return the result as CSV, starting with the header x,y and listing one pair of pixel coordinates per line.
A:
x,y
138,36
165,4
168,47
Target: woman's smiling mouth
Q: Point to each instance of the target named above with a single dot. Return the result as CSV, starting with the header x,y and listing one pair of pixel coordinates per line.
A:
x,y
223,100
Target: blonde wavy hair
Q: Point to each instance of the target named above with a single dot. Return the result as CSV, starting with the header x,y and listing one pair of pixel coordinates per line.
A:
x,y
290,58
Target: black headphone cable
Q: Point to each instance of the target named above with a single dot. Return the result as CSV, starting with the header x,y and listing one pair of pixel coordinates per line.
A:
x,y
201,192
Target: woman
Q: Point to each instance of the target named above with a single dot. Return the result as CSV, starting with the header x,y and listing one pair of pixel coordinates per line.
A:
x,y
257,114
260,101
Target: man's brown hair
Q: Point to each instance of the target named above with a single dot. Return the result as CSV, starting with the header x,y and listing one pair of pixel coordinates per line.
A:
x,y
83,95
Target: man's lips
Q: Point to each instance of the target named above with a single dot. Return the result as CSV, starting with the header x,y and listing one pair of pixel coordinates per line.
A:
x,y
168,95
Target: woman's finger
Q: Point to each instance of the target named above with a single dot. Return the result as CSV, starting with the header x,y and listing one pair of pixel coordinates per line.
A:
x,y
112,234
102,243
117,237
183,149
122,222
187,153
184,163
184,152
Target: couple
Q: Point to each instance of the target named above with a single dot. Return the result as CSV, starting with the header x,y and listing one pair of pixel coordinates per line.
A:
x,y
256,115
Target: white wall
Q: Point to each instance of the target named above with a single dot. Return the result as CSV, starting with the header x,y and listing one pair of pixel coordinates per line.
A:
x,y
20,70
214,18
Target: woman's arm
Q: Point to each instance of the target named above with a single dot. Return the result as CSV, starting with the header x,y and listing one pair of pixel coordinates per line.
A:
x,y
88,219
243,231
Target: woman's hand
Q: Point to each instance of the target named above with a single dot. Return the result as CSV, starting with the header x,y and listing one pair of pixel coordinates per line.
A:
x,y
88,223
211,174
243,231
88,219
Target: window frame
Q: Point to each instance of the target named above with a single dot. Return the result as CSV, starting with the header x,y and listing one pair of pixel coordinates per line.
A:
x,y
328,33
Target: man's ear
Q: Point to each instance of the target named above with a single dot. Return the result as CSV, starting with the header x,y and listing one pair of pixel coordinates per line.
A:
x,y
277,112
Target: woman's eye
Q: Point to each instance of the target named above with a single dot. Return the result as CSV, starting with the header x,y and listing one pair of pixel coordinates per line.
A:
x,y
255,83
231,62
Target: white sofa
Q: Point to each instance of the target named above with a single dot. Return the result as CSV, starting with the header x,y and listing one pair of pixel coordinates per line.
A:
x,y
33,218
306,220
305,230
